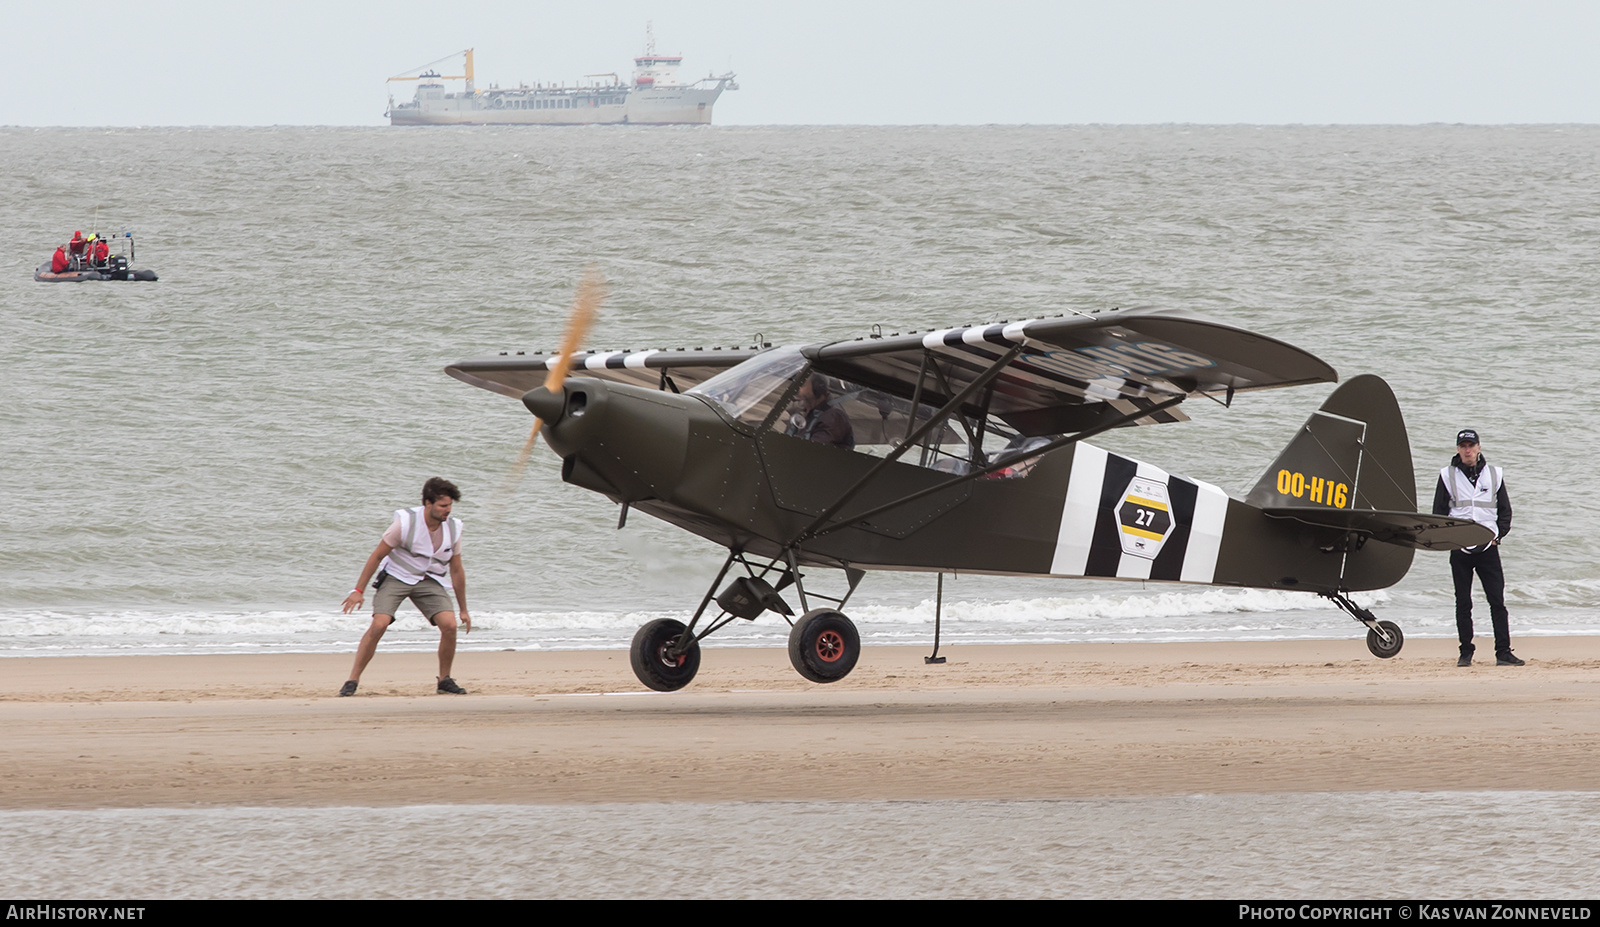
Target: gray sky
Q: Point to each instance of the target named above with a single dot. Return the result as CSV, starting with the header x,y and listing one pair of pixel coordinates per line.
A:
x,y
176,62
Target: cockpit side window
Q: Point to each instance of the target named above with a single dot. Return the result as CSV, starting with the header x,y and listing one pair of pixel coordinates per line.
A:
x,y
840,413
851,416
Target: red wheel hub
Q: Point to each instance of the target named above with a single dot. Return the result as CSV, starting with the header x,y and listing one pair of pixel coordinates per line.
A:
x,y
830,646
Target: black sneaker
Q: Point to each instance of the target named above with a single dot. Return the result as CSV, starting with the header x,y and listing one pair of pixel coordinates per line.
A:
x,y
447,686
1466,660
1508,659
349,687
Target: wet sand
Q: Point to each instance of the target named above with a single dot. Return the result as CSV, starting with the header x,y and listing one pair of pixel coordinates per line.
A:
x,y
1057,721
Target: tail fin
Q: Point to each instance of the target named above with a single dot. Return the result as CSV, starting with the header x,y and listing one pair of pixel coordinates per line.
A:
x,y
1346,483
1348,470
1353,453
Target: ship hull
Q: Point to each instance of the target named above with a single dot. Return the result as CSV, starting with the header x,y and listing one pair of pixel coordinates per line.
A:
x,y
658,106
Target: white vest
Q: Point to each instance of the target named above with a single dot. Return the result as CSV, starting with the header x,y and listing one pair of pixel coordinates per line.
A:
x,y
1477,501
415,557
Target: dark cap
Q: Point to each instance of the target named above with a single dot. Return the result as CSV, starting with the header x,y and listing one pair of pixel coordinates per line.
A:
x,y
1466,436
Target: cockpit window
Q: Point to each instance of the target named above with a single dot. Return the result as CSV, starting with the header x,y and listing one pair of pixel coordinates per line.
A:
x,y
851,416
749,391
837,412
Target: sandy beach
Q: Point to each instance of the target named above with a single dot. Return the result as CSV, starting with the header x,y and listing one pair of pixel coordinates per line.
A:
x,y
1059,721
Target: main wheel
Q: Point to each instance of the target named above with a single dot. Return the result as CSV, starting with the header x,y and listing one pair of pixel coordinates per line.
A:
x,y
824,645
653,661
1381,649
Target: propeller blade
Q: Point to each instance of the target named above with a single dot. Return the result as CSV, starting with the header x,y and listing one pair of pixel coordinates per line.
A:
x,y
585,306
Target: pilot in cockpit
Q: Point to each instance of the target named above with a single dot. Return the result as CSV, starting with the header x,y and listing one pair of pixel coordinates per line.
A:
x,y
819,417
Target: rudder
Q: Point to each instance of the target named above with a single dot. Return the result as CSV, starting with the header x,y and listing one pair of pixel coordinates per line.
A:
x,y
1352,453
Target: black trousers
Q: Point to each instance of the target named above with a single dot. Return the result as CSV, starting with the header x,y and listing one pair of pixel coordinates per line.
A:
x,y
1486,563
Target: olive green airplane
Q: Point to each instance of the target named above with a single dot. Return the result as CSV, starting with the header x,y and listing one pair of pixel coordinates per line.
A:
x,y
963,450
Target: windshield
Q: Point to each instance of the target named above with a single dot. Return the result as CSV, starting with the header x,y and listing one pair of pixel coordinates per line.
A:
x,y
749,391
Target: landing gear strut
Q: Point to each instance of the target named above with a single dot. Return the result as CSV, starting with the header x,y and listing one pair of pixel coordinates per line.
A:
x,y
1383,637
823,644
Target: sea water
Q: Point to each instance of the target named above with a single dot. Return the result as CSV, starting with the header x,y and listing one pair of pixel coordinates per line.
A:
x,y
203,464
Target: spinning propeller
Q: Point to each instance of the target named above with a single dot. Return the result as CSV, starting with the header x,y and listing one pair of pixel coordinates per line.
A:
x,y
591,293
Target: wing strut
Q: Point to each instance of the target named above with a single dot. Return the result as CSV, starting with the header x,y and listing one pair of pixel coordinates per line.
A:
x,y
944,384
916,395
818,527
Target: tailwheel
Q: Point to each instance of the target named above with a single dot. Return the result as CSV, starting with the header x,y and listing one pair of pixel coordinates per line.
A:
x,y
1383,637
1384,649
824,645
655,661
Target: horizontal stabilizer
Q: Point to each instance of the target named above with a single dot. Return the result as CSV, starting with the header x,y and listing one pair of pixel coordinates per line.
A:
x,y
1407,529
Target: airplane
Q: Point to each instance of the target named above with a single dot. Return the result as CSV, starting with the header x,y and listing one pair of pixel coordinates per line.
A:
x,y
964,450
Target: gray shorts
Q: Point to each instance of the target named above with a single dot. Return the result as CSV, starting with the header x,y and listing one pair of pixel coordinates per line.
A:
x,y
428,596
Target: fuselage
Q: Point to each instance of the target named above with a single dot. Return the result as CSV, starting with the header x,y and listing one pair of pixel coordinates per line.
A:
x,y
1078,511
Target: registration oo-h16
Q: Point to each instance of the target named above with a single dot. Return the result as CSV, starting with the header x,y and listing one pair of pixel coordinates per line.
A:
x,y
965,450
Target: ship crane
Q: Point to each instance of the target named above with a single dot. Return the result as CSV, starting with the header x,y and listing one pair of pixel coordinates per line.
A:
x,y
426,72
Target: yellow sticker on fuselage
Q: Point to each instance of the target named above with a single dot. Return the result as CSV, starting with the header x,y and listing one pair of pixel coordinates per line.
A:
x,y
1313,489
1145,517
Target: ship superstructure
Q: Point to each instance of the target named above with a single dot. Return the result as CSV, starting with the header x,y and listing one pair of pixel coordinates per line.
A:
x,y
656,96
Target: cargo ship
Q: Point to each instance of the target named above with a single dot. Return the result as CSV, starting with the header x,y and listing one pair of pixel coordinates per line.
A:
x,y
655,97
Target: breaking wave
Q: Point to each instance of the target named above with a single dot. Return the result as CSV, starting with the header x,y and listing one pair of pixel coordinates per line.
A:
x,y
1203,614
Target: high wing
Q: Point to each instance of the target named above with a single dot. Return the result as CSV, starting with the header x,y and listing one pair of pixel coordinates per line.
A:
x,y
1076,372
514,373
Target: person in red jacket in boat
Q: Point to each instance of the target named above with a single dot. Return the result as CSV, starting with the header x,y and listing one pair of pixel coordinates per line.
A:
x,y
75,249
98,250
60,262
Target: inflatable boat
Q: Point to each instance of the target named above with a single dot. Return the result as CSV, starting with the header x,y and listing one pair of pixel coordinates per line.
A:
x,y
43,274
114,266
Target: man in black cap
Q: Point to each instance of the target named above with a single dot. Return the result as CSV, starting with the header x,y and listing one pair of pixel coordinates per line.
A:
x,y
1470,488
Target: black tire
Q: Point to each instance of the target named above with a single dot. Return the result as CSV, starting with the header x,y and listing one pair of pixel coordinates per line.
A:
x,y
824,645
1381,650
652,664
